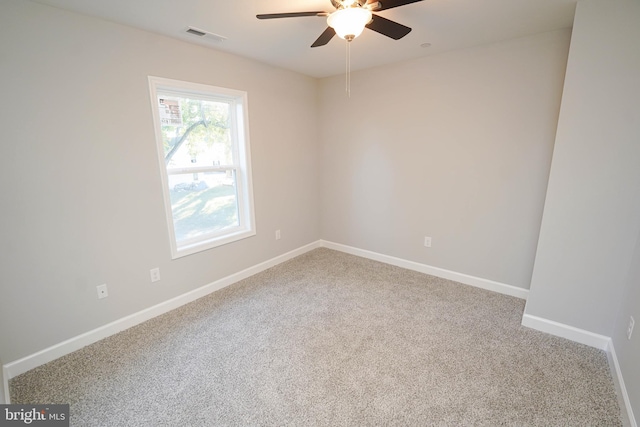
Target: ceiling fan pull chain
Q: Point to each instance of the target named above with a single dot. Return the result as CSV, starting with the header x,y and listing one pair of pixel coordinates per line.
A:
x,y
346,70
348,76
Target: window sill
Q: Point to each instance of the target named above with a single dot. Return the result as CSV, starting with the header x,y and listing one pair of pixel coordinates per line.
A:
x,y
204,245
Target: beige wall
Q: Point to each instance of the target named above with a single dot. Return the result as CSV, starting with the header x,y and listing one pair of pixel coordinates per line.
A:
x,y
455,146
592,209
81,198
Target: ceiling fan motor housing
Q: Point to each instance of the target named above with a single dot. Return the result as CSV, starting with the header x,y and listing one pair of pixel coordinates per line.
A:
x,y
341,4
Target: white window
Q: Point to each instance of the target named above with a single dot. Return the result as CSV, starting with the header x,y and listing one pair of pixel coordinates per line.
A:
x,y
202,135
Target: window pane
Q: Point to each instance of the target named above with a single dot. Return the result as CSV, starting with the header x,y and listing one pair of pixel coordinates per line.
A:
x,y
203,203
195,132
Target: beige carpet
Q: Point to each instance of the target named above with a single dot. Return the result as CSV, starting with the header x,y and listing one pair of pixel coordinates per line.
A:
x,y
329,339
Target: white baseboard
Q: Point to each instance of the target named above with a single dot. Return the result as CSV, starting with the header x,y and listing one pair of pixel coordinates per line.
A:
x,y
626,411
478,282
27,363
565,331
4,392
17,367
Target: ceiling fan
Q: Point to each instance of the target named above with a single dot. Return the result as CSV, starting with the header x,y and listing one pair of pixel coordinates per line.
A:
x,y
351,17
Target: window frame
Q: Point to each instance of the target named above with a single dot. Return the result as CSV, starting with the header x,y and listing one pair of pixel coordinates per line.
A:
x,y
238,101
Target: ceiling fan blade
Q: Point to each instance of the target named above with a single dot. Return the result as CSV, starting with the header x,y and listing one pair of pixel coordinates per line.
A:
x,y
289,15
325,37
388,28
389,4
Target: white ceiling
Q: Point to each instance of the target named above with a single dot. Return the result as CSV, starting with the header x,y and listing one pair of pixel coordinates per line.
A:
x,y
446,24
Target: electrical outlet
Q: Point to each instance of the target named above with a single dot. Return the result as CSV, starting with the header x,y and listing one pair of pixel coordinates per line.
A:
x,y
277,234
427,241
102,291
155,274
632,322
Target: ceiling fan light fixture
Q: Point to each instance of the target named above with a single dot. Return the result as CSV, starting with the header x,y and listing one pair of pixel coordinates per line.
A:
x,y
349,22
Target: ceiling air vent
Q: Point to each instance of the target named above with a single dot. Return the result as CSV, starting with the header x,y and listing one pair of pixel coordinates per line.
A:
x,y
196,32
205,34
